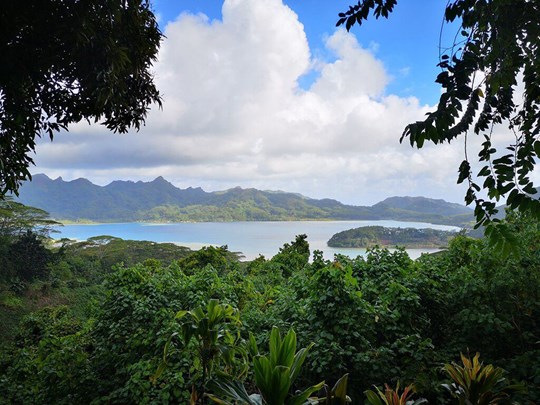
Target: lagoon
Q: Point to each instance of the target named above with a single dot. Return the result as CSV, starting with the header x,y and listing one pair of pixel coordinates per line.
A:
x,y
250,238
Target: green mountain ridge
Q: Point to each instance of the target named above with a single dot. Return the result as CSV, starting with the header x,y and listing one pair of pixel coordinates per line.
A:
x,y
159,200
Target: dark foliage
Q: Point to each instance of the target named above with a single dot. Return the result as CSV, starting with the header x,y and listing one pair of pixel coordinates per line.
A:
x,y
71,61
496,51
29,258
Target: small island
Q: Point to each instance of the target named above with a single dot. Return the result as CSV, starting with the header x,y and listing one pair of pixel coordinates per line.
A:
x,y
412,238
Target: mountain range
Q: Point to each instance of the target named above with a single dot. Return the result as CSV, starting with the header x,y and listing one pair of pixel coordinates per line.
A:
x,y
159,200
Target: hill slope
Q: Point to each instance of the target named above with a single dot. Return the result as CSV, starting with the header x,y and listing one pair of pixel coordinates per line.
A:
x,y
369,236
159,200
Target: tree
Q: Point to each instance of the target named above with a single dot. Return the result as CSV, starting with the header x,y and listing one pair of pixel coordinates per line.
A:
x,y
16,219
29,257
206,256
69,61
498,50
293,256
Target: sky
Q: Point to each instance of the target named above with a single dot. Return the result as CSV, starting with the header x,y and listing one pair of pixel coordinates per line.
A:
x,y
270,94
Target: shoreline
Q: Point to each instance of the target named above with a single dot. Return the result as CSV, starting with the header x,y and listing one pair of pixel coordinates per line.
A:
x,y
159,223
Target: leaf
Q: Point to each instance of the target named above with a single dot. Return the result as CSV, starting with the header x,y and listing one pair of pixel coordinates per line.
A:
x,y
273,381
506,188
340,388
537,148
464,171
485,171
350,22
252,346
373,398
226,387
341,21
301,398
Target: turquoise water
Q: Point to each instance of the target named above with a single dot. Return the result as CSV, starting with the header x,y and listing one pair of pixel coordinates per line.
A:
x,y
249,238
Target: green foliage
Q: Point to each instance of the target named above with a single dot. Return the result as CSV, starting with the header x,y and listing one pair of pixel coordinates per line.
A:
x,y
337,395
214,328
9,300
495,298
207,256
364,316
135,325
51,360
497,44
23,231
293,257
274,375
335,319
29,257
16,219
87,60
370,236
105,251
380,318
477,384
276,372
131,331
392,396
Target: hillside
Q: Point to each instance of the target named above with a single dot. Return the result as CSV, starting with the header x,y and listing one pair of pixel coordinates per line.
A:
x,y
369,236
161,201
422,204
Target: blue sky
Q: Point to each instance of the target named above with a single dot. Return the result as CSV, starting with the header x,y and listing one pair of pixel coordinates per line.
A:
x,y
407,42
270,94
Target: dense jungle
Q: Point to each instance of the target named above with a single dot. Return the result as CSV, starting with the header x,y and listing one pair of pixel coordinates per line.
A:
x,y
115,321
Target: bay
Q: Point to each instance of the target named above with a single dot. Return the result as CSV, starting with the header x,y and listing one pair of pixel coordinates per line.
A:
x,y
250,238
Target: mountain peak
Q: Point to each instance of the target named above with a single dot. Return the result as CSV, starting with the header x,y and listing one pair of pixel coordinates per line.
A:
x,y
81,180
40,177
160,179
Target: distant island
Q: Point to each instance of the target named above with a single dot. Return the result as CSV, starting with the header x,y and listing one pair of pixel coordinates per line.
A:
x,y
411,238
81,201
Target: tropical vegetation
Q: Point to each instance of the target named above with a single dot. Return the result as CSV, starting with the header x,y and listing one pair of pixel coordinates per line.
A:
x,y
370,236
112,321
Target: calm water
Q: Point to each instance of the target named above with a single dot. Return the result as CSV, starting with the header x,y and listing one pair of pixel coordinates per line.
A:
x,y
250,238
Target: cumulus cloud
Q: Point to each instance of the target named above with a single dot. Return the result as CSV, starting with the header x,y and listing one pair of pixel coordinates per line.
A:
x,y
234,114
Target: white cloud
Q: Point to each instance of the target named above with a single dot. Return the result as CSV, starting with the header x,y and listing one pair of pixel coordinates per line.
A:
x,y
233,114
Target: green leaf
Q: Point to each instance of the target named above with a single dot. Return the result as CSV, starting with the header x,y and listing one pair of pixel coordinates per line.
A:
x,y
252,346
301,398
340,388
299,359
373,398
224,386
